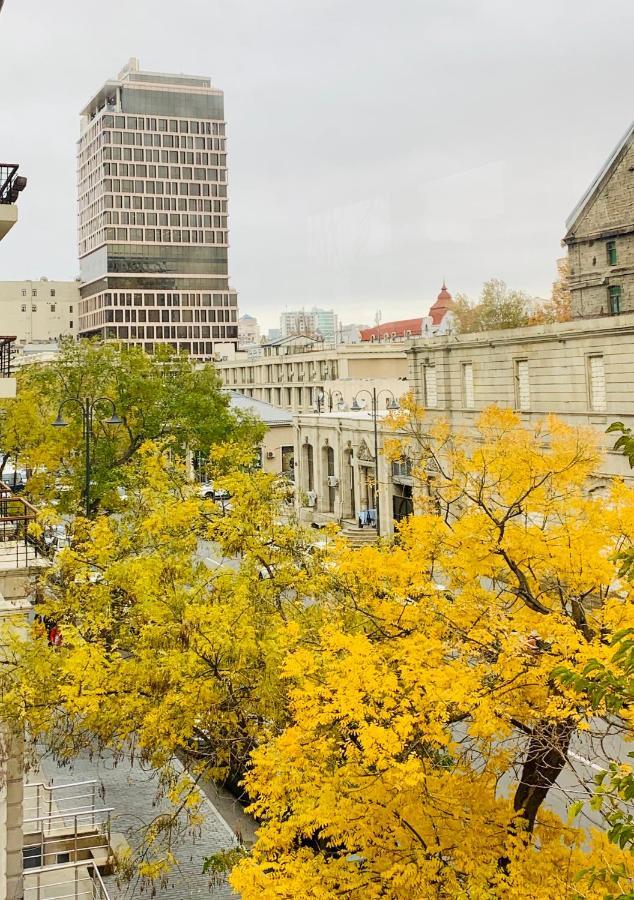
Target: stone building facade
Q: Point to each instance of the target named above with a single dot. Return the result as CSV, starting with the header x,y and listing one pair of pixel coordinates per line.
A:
x,y
293,377
339,474
583,373
600,239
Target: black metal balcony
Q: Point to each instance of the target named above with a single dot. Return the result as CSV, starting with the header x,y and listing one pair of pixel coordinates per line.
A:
x,y
6,351
11,184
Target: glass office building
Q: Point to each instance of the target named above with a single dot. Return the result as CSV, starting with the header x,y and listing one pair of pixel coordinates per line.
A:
x,y
152,215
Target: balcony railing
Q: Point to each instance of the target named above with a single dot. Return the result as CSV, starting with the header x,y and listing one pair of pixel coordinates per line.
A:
x,y
65,882
10,182
17,547
6,346
66,839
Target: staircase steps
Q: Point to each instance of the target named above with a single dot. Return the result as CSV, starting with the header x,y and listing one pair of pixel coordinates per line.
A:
x,y
359,537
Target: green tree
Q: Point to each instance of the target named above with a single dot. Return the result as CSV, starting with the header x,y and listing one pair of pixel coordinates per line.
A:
x,y
159,396
497,307
559,307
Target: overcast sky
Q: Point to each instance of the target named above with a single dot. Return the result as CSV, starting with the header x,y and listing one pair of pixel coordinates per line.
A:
x,y
374,147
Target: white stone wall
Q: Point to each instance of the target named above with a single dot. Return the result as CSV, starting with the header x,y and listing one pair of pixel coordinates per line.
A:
x,y
39,310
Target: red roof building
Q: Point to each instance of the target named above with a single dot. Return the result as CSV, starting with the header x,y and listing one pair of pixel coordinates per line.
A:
x,y
403,329
439,309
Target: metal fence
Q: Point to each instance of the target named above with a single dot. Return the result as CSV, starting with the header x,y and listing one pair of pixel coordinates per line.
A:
x,y
66,838
17,547
65,882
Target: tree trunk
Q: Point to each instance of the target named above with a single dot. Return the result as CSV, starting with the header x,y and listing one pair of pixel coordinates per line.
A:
x,y
545,759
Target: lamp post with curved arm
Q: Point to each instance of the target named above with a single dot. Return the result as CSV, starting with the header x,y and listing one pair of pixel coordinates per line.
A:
x,y
321,400
87,407
392,404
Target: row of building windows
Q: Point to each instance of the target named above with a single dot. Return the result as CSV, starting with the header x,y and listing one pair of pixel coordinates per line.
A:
x,y
193,301
34,292
135,139
184,173
165,236
169,315
170,332
52,307
175,188
294,398
277,372
174,126
595,380
178,219
149,169
138,155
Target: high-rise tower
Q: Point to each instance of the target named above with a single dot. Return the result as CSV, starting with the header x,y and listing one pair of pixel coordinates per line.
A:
x,y
152,216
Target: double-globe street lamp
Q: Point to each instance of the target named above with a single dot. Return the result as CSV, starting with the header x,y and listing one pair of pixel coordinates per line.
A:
x,y
320,401
391,405
87,407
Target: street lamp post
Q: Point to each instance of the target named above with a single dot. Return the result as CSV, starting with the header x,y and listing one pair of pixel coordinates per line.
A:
x,y
391,405
320,405
87,407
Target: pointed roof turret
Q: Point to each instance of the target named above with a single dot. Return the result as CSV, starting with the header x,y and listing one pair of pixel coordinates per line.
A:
x,y
441,306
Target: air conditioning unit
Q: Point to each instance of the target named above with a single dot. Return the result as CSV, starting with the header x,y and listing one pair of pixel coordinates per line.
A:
x,y
269,454
333,481
311,499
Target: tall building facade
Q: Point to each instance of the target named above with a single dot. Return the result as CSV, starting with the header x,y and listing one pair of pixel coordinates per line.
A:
x,y
152,214
40,310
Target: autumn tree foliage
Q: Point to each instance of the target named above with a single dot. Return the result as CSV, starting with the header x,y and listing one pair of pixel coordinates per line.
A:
x,y
427,731
497,307
393,712
558,308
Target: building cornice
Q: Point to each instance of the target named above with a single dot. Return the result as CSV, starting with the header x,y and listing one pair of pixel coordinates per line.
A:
x,y
599,234
567,331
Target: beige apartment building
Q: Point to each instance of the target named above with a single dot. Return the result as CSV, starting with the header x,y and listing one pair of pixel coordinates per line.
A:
x,y
300,376
38,311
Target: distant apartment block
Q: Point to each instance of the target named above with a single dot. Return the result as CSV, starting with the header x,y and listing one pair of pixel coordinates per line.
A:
x,y
153,232
39,311
248,331
320,322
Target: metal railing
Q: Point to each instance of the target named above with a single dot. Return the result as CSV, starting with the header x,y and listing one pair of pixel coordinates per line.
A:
x,y
42,800
6,352
65,882
10,182
73,834
17,548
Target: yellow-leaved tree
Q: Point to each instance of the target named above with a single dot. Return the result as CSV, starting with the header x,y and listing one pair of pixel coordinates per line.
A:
x,y
429,743
163,651
391,711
